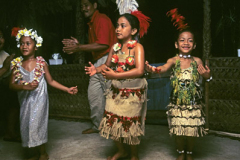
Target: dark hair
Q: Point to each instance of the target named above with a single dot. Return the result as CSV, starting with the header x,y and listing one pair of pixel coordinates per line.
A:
x,y
186,30
134,22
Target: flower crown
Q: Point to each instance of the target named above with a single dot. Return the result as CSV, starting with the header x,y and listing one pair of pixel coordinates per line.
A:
x,y
28,33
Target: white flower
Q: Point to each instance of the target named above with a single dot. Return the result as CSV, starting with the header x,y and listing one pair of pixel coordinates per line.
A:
x,y
29,33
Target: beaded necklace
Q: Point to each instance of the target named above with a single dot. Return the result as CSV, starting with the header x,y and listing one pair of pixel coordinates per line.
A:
x,y
184,94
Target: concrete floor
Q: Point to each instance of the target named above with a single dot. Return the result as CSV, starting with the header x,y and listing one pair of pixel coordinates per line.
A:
x,y
67,143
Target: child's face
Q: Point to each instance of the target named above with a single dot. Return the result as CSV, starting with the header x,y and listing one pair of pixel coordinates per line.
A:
x,y
185,43
27,46
2,41
124,30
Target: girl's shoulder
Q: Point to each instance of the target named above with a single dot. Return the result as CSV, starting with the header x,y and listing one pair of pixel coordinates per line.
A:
x,y
41,60
173,60
198,60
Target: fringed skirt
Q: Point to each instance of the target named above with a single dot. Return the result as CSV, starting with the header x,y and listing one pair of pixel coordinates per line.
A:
x,y
186,120
125,111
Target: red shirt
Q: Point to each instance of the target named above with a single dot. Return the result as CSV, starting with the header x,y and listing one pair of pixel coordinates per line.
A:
x,y
101,31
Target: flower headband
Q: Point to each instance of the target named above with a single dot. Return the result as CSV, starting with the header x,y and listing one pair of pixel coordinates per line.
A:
x,y
18,33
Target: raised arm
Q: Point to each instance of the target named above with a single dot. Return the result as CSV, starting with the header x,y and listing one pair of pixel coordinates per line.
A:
x,y
160,69
71,46
6,64
203,71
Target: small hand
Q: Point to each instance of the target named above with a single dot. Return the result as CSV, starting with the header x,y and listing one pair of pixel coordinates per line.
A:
x,y
31,86
150,68
72,90
205,72
108,73
70,45
90,70
7,61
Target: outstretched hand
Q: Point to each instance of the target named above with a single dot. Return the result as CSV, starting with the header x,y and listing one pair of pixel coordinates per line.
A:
x,y
90,70
150,68
70,45
205,72
72,90
108,73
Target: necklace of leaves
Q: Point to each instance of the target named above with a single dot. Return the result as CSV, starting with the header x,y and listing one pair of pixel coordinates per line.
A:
x,y
184,94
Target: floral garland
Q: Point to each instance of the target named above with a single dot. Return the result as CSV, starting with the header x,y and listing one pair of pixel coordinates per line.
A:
x,y
18,33
38,70
126,92
126,121
129,60
184,94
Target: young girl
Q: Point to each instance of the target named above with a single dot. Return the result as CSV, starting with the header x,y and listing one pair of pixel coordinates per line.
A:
x,y
185,111
29,76
125,108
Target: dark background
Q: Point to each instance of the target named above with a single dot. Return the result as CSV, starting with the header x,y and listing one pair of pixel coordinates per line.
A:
x,y
56,19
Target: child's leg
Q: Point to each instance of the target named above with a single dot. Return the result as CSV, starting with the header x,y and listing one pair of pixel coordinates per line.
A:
x,y
34,153
120,153
190,145
134,152
43,153
180,142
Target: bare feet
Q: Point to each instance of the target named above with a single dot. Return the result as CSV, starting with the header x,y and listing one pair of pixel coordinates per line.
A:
x,y
118,155
181,156
44,157
89,131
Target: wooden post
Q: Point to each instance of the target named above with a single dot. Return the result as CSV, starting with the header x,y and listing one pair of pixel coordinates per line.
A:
x,y
206,50
80,32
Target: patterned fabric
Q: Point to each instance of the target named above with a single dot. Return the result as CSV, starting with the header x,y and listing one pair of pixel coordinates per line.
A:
x,y
125,110
186,119
34,111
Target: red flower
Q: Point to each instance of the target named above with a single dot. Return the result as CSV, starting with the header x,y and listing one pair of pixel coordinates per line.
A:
x,y
114,58
119,69
15,31
126,92
131,44
130,60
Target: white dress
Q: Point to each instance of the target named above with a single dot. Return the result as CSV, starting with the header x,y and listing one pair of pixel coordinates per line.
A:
x,y
34,111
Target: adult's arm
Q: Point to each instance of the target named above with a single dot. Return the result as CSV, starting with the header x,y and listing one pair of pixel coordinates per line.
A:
x,y
6,64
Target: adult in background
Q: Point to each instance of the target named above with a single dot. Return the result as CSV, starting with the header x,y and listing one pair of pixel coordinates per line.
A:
x,y
101,36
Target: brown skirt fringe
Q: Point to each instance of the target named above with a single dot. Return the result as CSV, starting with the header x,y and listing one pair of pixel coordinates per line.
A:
x,y
186,120
117,132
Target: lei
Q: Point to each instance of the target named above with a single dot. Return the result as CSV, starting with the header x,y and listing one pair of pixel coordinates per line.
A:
x,y
38,70
184,94
129,60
